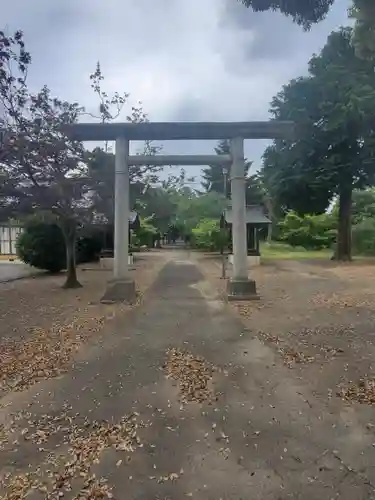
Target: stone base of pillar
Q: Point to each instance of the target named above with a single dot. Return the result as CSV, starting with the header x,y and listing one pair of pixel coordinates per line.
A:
x,y
120,291
241,290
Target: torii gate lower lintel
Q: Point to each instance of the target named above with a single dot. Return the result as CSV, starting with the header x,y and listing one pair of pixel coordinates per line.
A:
x,y
122,288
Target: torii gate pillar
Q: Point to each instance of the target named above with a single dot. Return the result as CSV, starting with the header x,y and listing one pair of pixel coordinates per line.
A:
x,y
239,287
122,287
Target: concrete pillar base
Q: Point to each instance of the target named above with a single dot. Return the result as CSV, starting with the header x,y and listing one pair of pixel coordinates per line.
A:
x,y
241,290
120,291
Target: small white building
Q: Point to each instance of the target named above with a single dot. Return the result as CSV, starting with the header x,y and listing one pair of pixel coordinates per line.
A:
x,y
9,232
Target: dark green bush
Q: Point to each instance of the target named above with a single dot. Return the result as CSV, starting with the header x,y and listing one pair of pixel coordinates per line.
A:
x,y
88,247
42,245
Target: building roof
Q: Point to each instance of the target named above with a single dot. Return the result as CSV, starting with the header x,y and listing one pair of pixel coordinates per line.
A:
x,y
254,215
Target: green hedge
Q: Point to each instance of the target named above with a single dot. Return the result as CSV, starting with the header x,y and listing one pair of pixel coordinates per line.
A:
x,y
312,232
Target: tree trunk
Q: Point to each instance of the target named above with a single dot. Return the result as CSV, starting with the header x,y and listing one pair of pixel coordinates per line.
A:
x,y
268,204
343,250
69,232
269,233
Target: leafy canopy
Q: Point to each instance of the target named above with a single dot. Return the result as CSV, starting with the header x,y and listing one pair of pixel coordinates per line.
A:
x,y
334,107
303,12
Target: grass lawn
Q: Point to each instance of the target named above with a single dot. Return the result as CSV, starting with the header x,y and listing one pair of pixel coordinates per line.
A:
x,y
270,251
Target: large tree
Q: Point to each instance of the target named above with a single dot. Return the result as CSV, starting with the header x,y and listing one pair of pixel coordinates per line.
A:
x,y
45,172
303,12
333,151
309,12
42,169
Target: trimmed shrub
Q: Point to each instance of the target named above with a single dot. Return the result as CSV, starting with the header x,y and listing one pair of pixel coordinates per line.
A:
x,y
42,245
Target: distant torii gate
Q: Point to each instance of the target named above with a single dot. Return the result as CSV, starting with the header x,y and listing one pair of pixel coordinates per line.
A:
x,y
122,288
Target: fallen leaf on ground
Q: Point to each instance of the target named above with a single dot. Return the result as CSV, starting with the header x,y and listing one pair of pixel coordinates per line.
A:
x,y
193,373
363,392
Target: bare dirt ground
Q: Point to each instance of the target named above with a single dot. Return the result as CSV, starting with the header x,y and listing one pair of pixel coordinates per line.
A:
x,y
186,396
43,326
319,317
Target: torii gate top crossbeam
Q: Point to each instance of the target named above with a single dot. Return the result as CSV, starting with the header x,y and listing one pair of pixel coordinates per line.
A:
x,y
181,160
159,131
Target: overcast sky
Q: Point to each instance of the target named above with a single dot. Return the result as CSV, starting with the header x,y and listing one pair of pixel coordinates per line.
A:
x,y
184,59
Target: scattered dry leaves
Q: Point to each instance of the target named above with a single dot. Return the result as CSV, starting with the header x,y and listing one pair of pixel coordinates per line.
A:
x,y
65,319
85,444
363,392
292,357
343,300
193,373
247,309
45,353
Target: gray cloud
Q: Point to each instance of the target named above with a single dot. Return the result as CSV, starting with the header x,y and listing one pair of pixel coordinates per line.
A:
x,y
211,60
269,35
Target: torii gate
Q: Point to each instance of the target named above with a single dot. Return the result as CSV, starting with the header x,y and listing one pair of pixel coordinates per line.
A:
x,y
239,287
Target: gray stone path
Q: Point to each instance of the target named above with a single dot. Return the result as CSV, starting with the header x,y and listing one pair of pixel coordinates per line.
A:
x,y
264,438
11,271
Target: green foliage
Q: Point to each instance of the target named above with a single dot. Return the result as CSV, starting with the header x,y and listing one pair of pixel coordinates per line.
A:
x,y
88,247
363,12
146,233
363,235
42,245
363,205
192,207
310,231
303,12
159,204
208,235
